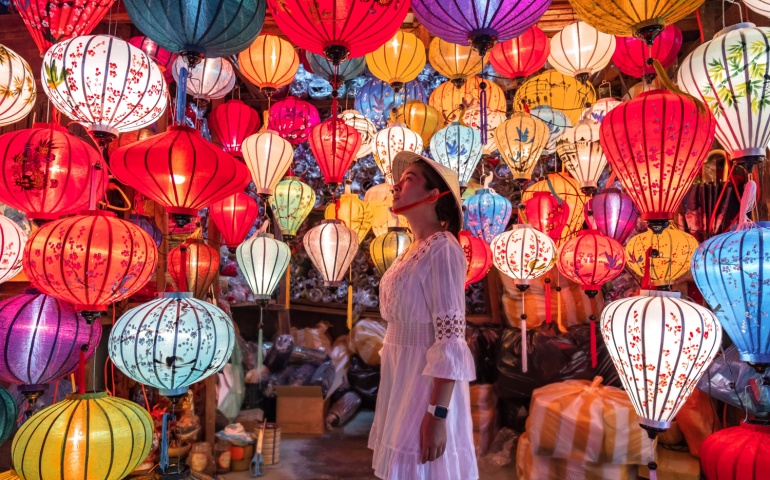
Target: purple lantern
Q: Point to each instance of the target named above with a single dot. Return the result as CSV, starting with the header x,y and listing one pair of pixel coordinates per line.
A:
x,y
480,24
293,118
614,213
40,341
148,225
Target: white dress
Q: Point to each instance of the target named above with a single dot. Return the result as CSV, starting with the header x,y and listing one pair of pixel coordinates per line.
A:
x,y
422,298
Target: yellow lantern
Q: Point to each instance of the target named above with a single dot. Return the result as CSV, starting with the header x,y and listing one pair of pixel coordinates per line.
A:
x,y
520,141
556,90
269,63
450,100
671,255
420,117
268,157
291,203
380,199
385,248
643,19
399,60
393,140
568,190
641,87
579,50
456,62
351,211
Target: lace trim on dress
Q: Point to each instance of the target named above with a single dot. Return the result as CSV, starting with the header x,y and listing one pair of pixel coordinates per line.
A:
x,y
448,325
424,246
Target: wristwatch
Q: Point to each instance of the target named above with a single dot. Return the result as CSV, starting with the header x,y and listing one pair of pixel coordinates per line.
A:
x,y
438,411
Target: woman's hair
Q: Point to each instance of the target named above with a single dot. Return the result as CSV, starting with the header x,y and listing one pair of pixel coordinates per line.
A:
x,y
446,206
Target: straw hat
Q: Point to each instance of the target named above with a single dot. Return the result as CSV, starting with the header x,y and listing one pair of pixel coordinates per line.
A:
x,y
402,161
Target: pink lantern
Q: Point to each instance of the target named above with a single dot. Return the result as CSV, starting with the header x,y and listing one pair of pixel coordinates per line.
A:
x,y
162,57
614,214
631,53
293,118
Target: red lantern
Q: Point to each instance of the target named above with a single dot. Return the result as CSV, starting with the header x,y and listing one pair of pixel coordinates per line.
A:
x,y
231,122
193,265
590,260
234,216
47,172
90,260
162,57
631,53
656,144
737,453
522,56
293,118
334,145
479,257
180,170
547,214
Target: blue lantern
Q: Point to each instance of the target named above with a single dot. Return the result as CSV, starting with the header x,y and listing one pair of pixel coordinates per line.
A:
x,y
376,99
348,69
8,414
148,225
557,123
732,271
459,148
486,214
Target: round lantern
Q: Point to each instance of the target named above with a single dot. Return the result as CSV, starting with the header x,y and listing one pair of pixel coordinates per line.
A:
x,y
557,124
380,199
148,225
579,50
365,128
331,247
232,122
334,145
568,191
644,19
478,24
472,118
613,213
728,75
656,144
459,148
136,94
631,54
210,79
263,261
450,100
17,85
520,141
234,216
661,345
291,203
591,260
198,28
86,436
193,265
522,56
352,212
162,57
581,152
671,254
391,141
172,342
268,157
486,214
9,412
90,260
523,253
193,173
456,62
269,63
558,91
12,242
420,118
398,60
293,118
376,99
385,248
737,453
547,213
350,68
478,256
598,110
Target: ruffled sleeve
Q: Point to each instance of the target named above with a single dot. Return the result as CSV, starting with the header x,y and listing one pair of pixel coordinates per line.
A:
x,y
444,288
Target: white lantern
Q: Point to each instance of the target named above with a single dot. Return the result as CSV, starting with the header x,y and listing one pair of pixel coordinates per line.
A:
x,y
365,128
729,73
105,84
661,345
762,7
268,157
599,109
582,154
12,242
557,123
210,79
472,118
580,50
331,247
520,141
459,148
17,87
390,141
263,261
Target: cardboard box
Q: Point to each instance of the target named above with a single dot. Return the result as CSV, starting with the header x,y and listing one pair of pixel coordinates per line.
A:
x,y
301,410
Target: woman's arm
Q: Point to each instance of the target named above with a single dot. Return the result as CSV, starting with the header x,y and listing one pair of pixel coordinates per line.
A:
x,y
433,430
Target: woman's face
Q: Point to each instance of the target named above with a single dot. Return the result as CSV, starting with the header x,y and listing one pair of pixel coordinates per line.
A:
x,y
410,188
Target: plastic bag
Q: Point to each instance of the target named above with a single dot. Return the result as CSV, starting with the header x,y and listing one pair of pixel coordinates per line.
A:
x,y
366,340
313,356
277,358
483,341
365,380
499,451
323,377
343,410
697,420
340,356
315,337
231,391
719,378
301,375
483,415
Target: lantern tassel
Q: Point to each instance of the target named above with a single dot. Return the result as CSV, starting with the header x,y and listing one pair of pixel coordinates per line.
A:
x,y
82,370
164,461
594,356
646,281
350,307
548,312
288,287
562,329
669,85
259,345
748,202
523,335
182,287
483,111
181,95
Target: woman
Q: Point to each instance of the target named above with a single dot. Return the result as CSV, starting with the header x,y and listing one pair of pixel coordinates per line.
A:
x,y
422,425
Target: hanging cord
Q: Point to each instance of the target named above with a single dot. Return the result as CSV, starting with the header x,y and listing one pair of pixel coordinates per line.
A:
x,y
592,323
523,325
748,202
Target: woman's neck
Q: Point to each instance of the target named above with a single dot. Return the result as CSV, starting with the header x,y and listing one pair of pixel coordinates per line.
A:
x,y
422,231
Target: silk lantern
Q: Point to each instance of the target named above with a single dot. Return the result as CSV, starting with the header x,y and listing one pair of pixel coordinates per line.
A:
x,y
331,247
17,87
614,214
347,70
728,74
90,260
581,152
472,118
376,99
380,199
162,57
86,436
656,144
12,242
391,141
353,212
420,118
232,122
641,87
672,251
579,50
547,214
193,265
9,412
234,216
365,128
385,248
334,145
398,60
599,109
263,261
759,6
558,91
450,100
486,214
149,226
269,63
293,118
643,19
135,91
520,141
631,54
520,57
459,148
568,191
478,256
591,260
210,79
291,203
737,453
268,157
557,124
456,62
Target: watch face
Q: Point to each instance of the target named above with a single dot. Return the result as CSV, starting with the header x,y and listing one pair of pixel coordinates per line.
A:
x,y
441,412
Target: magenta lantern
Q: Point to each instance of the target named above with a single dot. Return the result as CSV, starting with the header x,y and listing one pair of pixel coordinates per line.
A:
x,y
631,53
293,118
614,213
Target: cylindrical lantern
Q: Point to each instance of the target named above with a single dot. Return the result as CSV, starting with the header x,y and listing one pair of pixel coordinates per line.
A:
x,y
87,436
581,152
420,118
522,56
234,216
291,203
631,53
671,254
590,260
398,60
9,412
263,261
12,242
449,100
376,99
614,214
385,248
737,453
232,122
350,68
17,85
459,148
353,212
334,145
331,247
456,62
365,128
520,140
523,253
172,342
558,91
193,265
478,256
568,191
210,79
579,50
268,157
293,118
162,57
547,213
269,63
391,141
486,214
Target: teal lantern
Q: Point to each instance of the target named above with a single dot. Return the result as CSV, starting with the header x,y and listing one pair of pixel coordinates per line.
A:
x,y
486,214
376,99
459,148
350,68
8,414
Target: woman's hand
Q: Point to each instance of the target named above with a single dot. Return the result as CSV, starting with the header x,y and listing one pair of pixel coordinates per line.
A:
x,y
432,437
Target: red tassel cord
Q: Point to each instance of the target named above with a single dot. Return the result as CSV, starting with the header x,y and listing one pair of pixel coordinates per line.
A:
x,y
646,282
548,312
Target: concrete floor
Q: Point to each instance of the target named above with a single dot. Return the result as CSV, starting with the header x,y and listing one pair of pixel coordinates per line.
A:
x,y
341,454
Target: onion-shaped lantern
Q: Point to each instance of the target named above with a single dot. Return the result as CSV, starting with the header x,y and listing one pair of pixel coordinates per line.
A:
x,y
350,68
380,199
291,203
472,118
670,258
459,148
558,91
391,141
486,214
12,242
737,453
172,342
523,253
234,216
9,412
661,345
365,128
293,118
631,53
450,100
598,110
385,248
420,118
579,50
557,124
17,85
613,213
520,57
334,145
568,190
210,79
644,19
268,157
656,144
269,63
331,247
263,261
590,260
90,260
232,122
376,99
581,152
478,256
91,435
456,62
135,93
547,213
162,57
353,212
193,265
398,60
520,141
